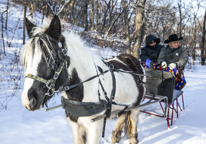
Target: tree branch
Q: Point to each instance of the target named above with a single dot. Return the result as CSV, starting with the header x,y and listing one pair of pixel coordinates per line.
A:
x,y
63,7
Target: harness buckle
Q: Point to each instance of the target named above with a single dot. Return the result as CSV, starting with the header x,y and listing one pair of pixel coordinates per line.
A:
x,y
56,75
48,92
111,66
64,51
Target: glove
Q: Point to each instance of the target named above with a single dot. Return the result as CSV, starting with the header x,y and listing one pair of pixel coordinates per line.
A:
x,y
147,63
172,66
164,64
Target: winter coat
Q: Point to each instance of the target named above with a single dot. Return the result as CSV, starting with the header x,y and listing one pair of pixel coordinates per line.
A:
x,y
151,52
172,55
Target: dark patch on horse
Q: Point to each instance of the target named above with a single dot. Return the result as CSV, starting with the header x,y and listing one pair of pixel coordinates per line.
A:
x,y
34,92
71,117
29,27
118,65
75,94
100,69
130,63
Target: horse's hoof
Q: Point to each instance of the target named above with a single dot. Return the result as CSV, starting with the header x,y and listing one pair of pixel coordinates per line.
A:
x,y
116,136
133,141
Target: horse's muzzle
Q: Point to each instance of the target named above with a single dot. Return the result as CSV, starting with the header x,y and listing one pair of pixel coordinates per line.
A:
x,y
32,103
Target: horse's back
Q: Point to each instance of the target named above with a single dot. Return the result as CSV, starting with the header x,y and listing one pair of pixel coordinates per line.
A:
x,y
132,62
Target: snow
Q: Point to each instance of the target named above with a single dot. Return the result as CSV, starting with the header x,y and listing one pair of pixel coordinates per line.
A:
x,y
19,126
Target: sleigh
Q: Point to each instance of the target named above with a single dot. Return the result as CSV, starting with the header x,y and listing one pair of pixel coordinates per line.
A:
x,y
162,84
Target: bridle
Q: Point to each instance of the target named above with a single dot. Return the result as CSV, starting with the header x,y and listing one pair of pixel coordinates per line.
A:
x,y
50,84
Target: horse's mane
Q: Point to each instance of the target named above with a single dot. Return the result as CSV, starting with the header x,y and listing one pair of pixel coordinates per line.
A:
x,y
28,49
80,53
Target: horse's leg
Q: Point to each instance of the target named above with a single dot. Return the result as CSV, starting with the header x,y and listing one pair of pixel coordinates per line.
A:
x,y
116,133
134,117
79,132
94,131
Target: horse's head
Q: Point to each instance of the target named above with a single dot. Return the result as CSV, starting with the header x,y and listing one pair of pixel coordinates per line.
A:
x,y
45,64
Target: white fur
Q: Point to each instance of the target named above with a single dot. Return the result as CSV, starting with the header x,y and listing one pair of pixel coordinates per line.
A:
x,y
31,64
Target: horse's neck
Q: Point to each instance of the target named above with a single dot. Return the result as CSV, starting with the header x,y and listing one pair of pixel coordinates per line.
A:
x,y
85,64
86,69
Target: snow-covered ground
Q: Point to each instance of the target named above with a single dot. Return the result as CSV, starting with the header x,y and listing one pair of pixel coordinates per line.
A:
x,y
20,126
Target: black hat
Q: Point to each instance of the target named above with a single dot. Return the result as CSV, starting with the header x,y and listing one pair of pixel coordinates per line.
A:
x,y
172,38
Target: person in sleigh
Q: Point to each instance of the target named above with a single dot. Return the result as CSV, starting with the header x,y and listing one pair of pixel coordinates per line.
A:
x,y
173,58
149,54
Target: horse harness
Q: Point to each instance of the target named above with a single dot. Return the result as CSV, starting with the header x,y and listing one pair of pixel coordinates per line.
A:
x,y
78,108
85,108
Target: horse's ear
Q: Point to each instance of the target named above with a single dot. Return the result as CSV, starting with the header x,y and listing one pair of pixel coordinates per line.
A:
x,y
54,29
29,27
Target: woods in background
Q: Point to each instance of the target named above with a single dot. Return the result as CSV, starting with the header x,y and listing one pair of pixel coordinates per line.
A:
x,y
131,20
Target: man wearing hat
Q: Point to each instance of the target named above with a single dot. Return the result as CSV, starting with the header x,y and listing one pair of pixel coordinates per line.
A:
x,y
173,58
149,54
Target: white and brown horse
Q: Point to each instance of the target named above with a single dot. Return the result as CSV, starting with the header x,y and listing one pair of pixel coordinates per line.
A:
x,y
48,68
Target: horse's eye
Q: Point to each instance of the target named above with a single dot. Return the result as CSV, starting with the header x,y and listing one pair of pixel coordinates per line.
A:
x,y
60,44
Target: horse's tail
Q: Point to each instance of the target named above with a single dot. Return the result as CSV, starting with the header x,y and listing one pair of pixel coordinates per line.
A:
x,y
128,124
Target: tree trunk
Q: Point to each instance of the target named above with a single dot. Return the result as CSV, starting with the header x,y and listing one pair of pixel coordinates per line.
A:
x,y
93,13
203,42
7,12
71,5
105,16
85,15
2,33
194,41
24,25
98,16
138,28
126,26
43,9
180,12
31,7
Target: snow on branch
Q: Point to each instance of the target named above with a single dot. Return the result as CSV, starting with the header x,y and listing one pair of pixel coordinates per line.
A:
x,y
63,7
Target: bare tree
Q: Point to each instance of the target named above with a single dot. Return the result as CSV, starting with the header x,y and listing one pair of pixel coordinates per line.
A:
x,y
93,13
24,25
126,26
85,9
180,15
203,41
138,28
2,33
31,8
7,11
